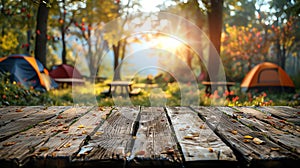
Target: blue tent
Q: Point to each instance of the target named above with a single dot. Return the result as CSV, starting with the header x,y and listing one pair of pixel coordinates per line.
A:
x,y
28,71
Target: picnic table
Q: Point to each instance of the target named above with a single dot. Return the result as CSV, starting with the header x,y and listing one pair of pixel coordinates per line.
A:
x,y
66,82
210,87
124,86
87,136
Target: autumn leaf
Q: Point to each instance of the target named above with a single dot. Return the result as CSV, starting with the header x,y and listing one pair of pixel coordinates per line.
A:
x,y
43,149
140,153
234,132
258,141
274,149
9,143
80,126
188,137
248,137
67,145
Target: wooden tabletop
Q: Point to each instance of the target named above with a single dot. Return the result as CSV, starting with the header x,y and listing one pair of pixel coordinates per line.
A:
x,y
218,83
61,136
120,83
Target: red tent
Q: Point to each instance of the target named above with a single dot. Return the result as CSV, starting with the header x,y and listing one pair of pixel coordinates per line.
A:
x,y
66,74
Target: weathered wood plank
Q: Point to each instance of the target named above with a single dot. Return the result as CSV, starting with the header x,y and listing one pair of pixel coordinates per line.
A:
x,y
30,143
7,109
112,142
199,144
18,113
26,122
261,154
288,114
284,139
154,143
275,122
67,143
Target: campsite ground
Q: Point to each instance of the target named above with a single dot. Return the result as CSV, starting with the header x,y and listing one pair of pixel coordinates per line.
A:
x,y
14,94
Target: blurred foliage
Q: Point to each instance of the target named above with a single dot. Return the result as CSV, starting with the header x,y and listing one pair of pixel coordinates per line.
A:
x,y
15,94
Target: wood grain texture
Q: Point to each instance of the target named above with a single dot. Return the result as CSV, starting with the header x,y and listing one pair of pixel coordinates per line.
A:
x,y
283,139
24,143
58,136
198,142
288,114
155,143
234,132
112,142
268,118
26,121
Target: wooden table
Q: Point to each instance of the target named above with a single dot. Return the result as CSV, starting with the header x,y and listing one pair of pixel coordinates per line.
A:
x,y
66,82
210,87
60,136
125,87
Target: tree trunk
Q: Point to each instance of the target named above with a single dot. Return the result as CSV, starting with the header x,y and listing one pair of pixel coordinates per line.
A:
x,y
215,22
41,32
116,49
64,50
283,57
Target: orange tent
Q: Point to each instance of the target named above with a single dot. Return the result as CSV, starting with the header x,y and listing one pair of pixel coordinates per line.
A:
x,y
27,71
267,76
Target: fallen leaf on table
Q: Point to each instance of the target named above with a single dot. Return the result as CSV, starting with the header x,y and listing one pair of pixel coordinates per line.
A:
x,y
188,137
282,121
181,129
99,133
59,117
269,117
196,134
246,140
140,153
210,150
274,149
202,126
43,149
9,143
53,154
19,110
234,132
169,152
248,137
84,132
80,126
67,145
258,141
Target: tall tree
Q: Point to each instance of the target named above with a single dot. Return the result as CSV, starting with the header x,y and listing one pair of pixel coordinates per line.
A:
x,y
89,28
41,31
215,24
284,28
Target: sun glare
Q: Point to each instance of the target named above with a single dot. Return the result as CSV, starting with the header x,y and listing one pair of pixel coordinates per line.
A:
x,y
168,43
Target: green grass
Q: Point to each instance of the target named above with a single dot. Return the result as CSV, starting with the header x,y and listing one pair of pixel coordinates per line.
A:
x,y
159,94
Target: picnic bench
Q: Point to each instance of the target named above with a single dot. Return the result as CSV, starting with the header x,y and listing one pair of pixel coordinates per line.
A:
x,y
125,88
210,87
87,136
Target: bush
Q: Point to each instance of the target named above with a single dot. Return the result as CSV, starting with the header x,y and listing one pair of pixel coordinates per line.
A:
x,y
13,93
